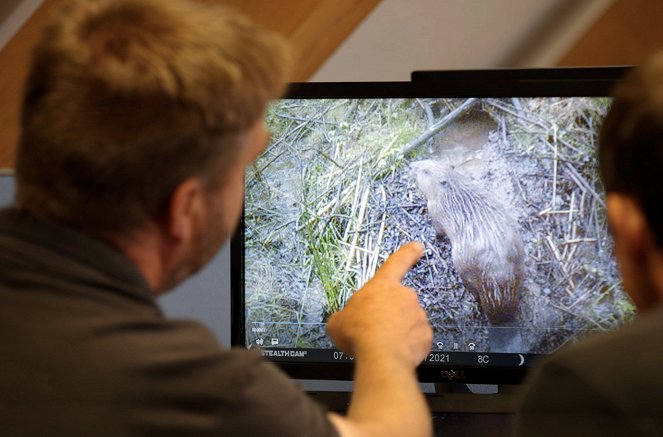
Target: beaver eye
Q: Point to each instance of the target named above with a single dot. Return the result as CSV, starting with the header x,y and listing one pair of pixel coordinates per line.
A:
x,y
444,183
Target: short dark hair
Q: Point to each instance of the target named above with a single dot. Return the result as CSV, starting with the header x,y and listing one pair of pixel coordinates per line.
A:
x,y
631,142
128,98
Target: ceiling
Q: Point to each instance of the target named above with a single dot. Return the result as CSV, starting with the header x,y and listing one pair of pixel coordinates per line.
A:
x,y
397,36
357,40
401,35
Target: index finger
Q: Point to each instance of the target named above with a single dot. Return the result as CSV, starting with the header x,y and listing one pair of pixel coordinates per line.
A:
x,y
396,266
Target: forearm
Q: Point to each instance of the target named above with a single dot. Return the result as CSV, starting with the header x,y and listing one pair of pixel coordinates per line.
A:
x,y
386,401
387,331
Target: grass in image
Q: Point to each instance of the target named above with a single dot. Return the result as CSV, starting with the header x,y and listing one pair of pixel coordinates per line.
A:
x,y
308,197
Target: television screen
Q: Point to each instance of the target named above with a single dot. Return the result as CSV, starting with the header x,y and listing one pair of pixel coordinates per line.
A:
x,y
497,178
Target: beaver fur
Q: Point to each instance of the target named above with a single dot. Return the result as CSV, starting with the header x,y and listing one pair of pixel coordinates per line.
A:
x,y
486,248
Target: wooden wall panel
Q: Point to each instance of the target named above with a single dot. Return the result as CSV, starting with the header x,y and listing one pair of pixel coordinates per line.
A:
x,y
315,28
627,33
14,62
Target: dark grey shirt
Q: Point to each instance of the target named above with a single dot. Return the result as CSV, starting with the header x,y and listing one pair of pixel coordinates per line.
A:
x,y
609,385
86,351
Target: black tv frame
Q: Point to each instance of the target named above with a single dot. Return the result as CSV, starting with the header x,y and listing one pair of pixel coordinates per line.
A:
x,y
590,75
565,82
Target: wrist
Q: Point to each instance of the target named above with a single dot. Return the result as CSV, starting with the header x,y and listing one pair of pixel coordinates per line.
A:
x,y
386,354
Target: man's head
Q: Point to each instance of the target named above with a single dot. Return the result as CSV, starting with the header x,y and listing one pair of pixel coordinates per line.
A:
x,y
129,98
631,164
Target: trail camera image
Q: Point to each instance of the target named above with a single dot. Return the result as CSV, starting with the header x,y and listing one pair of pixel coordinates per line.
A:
x,y
504,194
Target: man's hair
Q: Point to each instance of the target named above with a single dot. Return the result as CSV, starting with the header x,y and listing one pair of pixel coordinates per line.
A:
x,y
128,98
631,142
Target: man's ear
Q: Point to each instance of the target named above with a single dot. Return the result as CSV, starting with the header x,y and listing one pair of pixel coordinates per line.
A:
x,y
184,209
640,259
627,222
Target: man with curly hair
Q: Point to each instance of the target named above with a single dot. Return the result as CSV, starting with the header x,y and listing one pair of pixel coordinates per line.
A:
x,y
139,119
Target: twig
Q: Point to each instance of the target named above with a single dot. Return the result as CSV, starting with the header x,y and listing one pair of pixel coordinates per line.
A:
x,y
306,120
572,232
355,201
581,182
562,266
428,134
567,310
428,111
549,211
555,158
358,222
499,105
580,240
378,243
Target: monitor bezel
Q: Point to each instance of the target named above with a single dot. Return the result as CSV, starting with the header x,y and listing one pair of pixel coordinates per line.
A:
x,y
540,82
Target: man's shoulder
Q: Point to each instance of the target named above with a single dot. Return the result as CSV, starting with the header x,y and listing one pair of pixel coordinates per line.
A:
x,y
243,391
623,365
634,339
609,384
156,342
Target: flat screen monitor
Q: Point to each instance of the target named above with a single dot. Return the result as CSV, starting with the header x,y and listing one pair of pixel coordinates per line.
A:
x,y
495,173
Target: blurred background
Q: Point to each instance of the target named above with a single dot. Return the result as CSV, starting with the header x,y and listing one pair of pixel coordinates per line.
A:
x,y
361,40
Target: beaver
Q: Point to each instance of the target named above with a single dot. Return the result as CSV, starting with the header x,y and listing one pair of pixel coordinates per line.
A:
x,y
486,247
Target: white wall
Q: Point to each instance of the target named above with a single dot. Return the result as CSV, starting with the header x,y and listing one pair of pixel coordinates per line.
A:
x,y
405,35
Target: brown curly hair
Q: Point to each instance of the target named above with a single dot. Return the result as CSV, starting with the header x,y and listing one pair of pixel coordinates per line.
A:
x,y
127,98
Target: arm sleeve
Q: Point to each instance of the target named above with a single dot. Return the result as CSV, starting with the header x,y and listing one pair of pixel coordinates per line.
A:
x,y
188,385
280,406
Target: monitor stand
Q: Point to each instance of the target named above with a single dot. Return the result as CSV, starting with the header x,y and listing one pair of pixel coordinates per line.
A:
x,y
473,398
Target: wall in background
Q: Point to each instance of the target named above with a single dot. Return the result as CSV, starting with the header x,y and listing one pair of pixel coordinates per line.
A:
x,y
396,37
315,28
458,34
13,14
